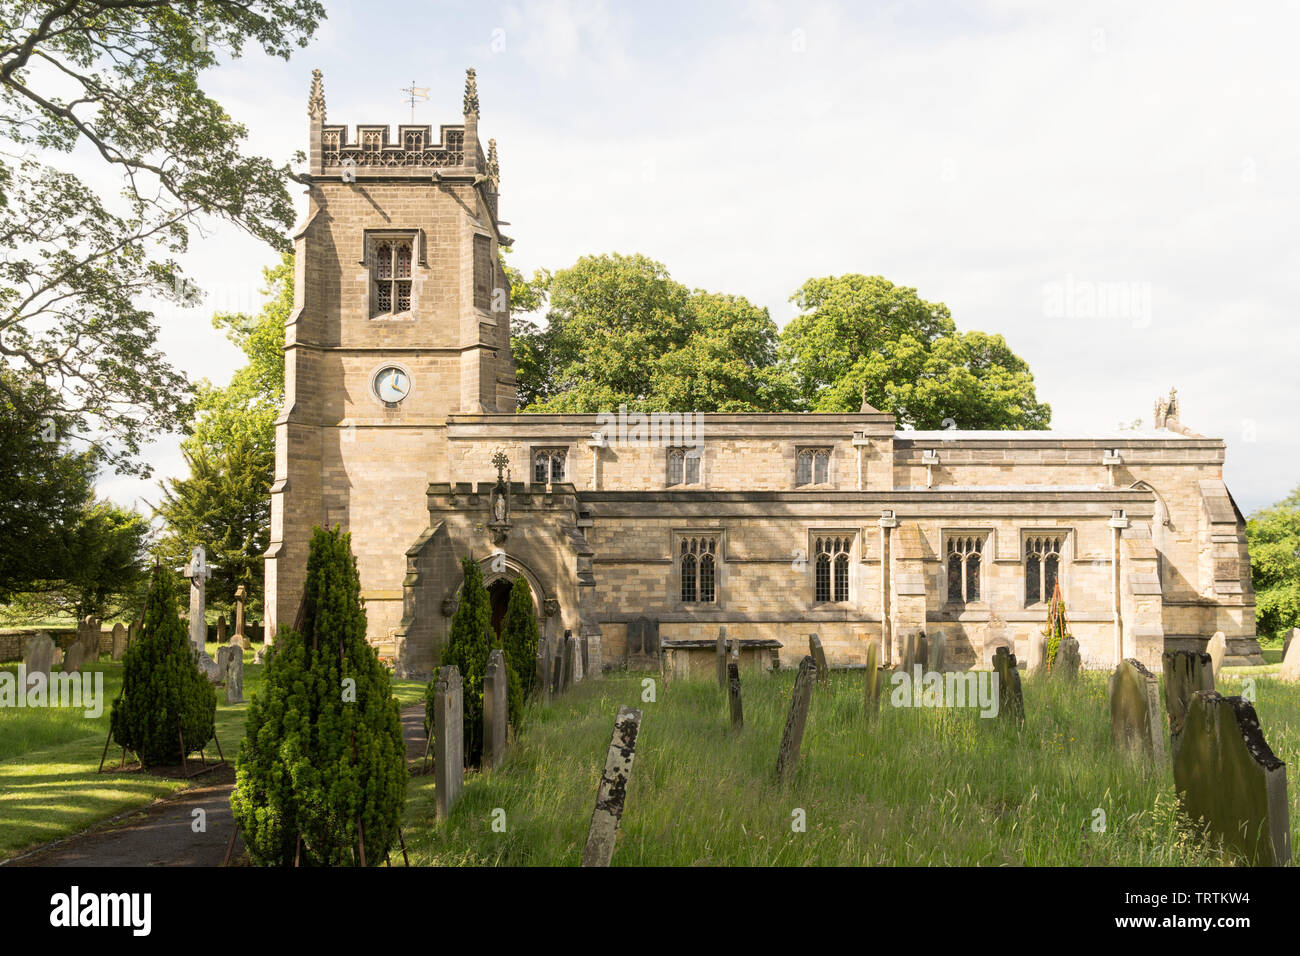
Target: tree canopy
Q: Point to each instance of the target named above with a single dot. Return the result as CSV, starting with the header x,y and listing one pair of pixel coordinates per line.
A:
x,y
1274,536
119,82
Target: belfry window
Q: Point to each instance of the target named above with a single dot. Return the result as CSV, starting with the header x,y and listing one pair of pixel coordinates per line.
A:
x,y
698,564
390,272
964,563
548,465
831,568
812,466
1042,567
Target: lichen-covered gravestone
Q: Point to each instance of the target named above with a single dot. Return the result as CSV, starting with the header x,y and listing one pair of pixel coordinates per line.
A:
x,y
1067,662
449,737
1011,701
1186,672
611,794
38,656
495,709
1135,722
792,738
819,658
938,647
1227,776
235,675
1217,648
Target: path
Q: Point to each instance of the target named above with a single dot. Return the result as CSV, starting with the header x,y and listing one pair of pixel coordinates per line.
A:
x,y
163,834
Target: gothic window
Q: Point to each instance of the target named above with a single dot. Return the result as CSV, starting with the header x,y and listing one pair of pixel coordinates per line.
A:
x,y
391,275
831,568
683,466
699,570
964,563
813,466
1042,566
548,465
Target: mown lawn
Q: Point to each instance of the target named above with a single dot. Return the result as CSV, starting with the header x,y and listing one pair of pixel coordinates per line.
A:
x,y
911,787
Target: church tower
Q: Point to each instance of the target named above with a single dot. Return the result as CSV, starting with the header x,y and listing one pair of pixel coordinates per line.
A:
x,y
401,317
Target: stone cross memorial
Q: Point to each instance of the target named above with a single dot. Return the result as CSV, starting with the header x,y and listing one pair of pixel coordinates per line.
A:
x,y
787,757
1136,724
449,734
495,709
239,637
611,795
198,572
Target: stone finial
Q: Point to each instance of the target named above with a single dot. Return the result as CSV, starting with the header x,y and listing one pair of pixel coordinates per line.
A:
x,y
1166,410
316,100
471,93
493,164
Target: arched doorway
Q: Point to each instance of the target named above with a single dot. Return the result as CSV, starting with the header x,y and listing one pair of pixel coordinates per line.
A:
x,y
499,594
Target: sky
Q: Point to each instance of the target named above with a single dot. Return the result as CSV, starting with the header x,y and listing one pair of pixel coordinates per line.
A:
x,y
1110,186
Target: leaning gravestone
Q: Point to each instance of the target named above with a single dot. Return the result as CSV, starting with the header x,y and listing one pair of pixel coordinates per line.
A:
x,y
38,656
733,696
119,640
1227,776
819,658
235,675
75,657
1011,701
495,709
1217,648
1290,671
871,688
787,757
1067,662
449,736
1135,722
938,647
611,795
1186,672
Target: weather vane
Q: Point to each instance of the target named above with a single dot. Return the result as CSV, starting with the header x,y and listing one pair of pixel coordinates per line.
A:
x,y
415,94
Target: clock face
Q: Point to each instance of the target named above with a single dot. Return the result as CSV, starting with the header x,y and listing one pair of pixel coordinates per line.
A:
x,y
392,384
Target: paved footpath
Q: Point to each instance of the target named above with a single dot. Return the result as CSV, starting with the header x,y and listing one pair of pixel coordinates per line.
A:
x,y
163,834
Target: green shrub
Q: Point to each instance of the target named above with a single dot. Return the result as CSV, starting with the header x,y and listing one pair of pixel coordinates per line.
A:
x,y
323,748
1058,628
163,692
519,639
467,647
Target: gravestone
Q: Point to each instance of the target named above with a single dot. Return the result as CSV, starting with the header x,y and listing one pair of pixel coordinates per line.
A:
x,y
1186,672
495,711
88,639
75,657
542,665
574,674
1286,644
995,636
198,572
235,675
938,648
1068,662
222,636
733,694
909,653
1037,653
260,656
594,663
1290,671
611,795
642,642
38,656
449,738
557,667
819,658
787,758
58,657
871,688
922,649
1135,722
119,640
720,657
1217,648
1226,774
223,657
1011,701
240,636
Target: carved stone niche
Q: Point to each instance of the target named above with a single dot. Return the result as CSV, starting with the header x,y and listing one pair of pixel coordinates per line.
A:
x,y
551,607
448,606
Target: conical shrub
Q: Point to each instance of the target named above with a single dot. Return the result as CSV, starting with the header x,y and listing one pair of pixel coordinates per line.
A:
x,y
519,637
467,647
163,693
323,752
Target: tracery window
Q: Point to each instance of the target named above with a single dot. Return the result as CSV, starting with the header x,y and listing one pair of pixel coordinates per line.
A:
x,y
699,570
813,466
683,466
964,562
548,465
1042,567
391,275
831,568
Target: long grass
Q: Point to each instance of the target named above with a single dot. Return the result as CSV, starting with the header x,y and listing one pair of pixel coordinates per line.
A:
x,y
919,786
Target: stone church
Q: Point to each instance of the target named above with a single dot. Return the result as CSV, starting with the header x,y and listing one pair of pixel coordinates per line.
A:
x,y
636,531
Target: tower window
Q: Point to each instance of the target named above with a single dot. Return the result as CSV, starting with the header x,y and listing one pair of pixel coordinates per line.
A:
x,y
1042,567
831,568
683,466
964,563
391,276
548,465
698,570
812,467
